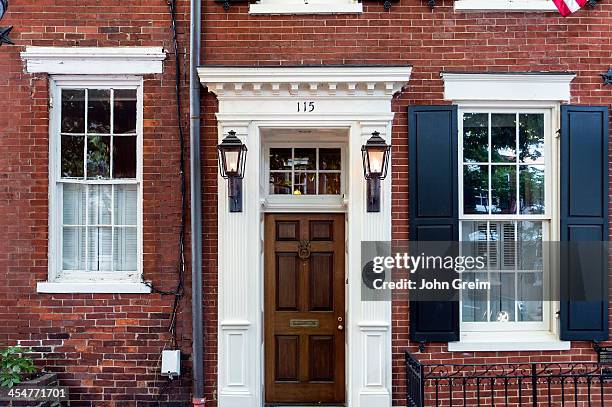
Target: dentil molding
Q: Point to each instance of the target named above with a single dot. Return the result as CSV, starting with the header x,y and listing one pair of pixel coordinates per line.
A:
x,y
365,81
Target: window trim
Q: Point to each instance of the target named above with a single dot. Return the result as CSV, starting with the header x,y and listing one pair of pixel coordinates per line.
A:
x,y
505,5
73,282
548,328
304,7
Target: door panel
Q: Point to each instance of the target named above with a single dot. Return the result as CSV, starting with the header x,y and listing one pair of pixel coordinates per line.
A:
x,y
304,308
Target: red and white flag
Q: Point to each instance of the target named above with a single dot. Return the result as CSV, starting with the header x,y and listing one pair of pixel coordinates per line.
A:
x,y
567,7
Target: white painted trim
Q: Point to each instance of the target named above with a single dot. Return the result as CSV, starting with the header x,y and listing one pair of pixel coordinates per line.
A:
x,y
86,281
505,5
333,82
93,287
507,86
330,7
94,60
356,101
512,341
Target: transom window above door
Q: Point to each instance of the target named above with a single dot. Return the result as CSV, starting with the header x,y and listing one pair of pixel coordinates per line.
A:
x,y
305,171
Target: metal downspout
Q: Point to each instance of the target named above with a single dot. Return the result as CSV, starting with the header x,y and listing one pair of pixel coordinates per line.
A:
x,y
197,355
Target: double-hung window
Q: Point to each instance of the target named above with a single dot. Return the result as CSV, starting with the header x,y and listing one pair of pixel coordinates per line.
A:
x,y
96,180
505,187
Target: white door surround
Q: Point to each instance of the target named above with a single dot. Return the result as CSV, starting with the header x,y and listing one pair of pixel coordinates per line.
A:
x,y
251,102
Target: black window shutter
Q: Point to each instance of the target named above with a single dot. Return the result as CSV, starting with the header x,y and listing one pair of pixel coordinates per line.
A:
x,y
433,207
584,217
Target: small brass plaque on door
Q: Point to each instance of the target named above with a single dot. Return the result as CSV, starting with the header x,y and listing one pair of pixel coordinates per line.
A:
x,y
304,323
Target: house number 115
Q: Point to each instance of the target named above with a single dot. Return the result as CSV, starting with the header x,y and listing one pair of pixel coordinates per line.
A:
x,y
305,107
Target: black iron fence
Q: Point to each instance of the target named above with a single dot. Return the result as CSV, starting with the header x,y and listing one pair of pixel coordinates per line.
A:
x,y
576,384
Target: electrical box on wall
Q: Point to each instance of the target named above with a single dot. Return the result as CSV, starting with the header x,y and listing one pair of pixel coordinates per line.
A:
x,y
171,363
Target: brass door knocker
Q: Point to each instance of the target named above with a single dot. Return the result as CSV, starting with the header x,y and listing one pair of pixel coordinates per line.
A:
x,y
304,249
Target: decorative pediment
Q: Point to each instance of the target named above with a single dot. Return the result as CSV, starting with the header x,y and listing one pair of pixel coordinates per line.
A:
x,y
363,81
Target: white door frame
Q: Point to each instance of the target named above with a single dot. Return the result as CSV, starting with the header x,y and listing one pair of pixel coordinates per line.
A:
x,y
251,99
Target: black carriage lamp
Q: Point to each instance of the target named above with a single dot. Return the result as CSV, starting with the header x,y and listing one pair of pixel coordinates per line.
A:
x,y
232,158
375,154
4,31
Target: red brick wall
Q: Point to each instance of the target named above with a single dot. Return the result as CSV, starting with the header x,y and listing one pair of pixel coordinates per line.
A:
x,y
105,347
436,41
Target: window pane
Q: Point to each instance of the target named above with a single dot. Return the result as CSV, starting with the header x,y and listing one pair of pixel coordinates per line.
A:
x,y
474,239
474,302
99,249
329,184
305,158
100,205
98,111
476,137
530,245
72,156
502,246
531,138
280,159
73,248
503,137
532,189
73,210
330,159
124,115
124,157
126,205
98,157
304,183
280,183
125,249
502,297
73,111
530,289
503,185
475,189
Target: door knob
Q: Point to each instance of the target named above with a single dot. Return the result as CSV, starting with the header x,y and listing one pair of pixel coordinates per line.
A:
x,y
340,328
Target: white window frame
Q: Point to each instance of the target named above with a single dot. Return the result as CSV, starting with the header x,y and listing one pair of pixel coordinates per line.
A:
x,y
92,282
332,203
527,336
505,5
305,7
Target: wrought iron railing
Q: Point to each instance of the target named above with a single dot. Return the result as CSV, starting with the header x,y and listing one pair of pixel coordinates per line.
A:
x,y
508,384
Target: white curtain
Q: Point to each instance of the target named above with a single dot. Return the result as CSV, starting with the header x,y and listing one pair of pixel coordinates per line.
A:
x,y
100,227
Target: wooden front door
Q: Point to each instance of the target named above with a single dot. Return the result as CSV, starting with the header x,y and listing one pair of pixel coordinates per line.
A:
x,y
304,308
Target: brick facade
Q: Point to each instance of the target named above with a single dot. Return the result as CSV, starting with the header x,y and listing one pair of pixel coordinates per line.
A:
x,y
106,346
430,41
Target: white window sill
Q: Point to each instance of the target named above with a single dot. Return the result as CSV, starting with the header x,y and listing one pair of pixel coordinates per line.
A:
x,y
505,5
93,287
332,8
508,342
